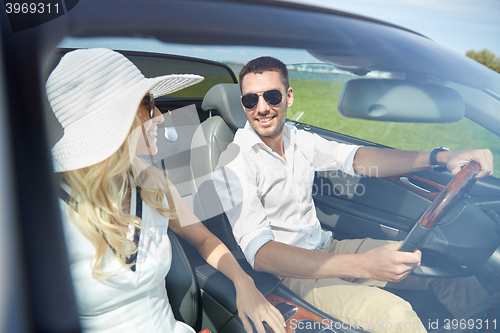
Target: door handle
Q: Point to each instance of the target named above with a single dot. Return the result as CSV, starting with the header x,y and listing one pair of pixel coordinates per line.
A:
x,y
406,181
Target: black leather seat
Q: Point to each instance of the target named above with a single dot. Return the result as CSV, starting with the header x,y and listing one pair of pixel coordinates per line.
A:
x,y
182,287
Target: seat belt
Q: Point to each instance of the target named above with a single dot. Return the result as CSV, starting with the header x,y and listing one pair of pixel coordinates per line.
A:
x,y
138,212
137,233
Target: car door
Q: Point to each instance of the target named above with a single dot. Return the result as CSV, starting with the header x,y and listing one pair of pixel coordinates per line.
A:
x,y
384,208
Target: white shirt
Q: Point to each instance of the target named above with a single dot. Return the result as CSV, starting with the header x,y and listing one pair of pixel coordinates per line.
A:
x,y
129,301
267,198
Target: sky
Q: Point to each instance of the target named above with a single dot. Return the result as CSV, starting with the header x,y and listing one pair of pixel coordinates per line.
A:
x,y
459,25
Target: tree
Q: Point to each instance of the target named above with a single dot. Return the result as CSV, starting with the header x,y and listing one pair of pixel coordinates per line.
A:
x,y
486,58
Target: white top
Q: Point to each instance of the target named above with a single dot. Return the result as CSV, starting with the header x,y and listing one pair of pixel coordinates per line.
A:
x,y
267,198
129,301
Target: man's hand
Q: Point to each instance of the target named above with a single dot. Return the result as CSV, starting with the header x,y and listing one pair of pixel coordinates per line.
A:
x,y
454,160
386,263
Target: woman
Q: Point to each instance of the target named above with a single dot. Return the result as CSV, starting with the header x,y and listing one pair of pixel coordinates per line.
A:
x,y
119,252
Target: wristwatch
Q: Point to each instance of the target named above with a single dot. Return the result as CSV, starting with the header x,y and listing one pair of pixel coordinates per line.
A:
x,y
433,159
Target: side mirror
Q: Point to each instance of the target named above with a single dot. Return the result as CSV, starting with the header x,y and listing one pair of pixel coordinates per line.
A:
x,y
400,101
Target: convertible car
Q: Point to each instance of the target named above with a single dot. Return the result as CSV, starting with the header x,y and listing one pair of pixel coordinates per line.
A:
x,y
356,80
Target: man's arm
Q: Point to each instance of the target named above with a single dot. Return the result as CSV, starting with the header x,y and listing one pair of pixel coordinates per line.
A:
x,y
383,263
380,162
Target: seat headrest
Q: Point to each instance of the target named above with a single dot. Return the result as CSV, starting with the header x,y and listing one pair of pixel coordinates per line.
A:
x,y
225,98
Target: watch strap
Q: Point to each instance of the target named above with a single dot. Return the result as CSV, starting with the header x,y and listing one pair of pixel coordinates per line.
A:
x,y
433,159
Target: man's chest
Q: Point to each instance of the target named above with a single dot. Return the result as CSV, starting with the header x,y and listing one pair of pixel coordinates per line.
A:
x,y
284,182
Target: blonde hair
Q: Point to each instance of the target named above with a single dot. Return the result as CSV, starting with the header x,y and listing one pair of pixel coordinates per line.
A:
x,y
97,196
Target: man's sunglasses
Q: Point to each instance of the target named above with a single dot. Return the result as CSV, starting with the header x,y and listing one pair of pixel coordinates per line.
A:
x,y
272,97
149,102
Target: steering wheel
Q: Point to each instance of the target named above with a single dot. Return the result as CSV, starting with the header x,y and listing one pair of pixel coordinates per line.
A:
x,y
422,228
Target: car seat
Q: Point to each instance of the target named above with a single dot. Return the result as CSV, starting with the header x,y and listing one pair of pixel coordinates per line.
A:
x,y
212,137
182,288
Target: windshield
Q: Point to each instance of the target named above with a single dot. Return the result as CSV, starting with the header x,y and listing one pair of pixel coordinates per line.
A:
x,y
317,87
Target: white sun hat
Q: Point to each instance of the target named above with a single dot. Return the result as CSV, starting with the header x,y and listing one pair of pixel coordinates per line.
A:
x,y
95,94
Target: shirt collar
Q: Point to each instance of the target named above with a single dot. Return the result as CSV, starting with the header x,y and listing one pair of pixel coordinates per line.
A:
x,y
256,142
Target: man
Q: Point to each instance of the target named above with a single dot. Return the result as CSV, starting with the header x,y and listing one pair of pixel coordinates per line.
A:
x,y
266,188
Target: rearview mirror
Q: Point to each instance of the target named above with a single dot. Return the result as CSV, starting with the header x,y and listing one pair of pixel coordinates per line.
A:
x,y
400,101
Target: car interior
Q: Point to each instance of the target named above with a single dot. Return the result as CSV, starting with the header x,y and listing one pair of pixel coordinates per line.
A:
x,y
203,128
218,132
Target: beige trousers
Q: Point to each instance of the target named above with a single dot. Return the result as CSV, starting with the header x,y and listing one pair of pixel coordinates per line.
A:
x,y
360,303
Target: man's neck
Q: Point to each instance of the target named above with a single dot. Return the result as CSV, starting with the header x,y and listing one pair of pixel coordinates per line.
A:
x,y
276,144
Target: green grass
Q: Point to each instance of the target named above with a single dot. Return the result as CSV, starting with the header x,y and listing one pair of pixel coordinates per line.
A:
x,y
318,101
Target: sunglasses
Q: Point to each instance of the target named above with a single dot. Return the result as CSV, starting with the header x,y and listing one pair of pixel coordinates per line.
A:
x,y
272,97
149,103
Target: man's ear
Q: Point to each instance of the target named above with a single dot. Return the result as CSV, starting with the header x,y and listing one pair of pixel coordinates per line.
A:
x,y
289,97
